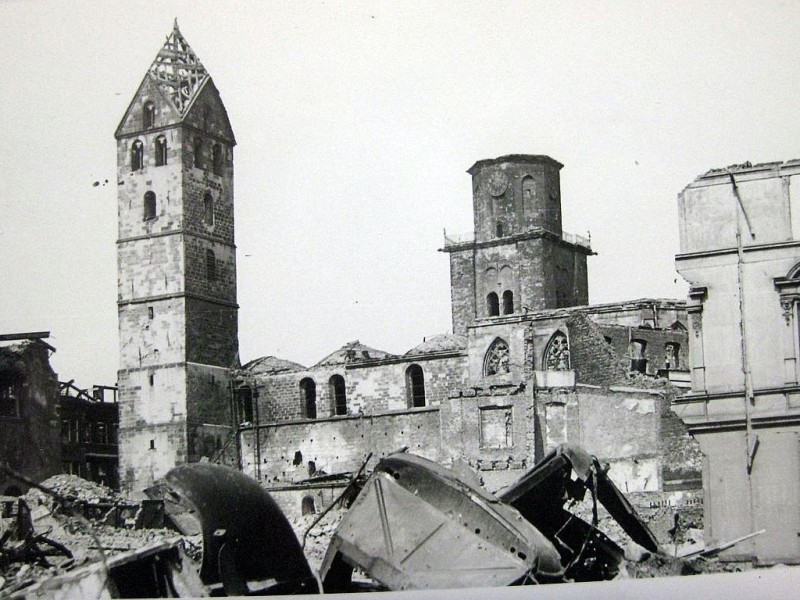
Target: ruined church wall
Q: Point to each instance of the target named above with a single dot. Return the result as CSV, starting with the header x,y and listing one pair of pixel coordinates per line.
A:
x,y
338,444
370,388
621,428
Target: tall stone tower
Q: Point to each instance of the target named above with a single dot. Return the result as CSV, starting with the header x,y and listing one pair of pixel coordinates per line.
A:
x,y
518,259
176,297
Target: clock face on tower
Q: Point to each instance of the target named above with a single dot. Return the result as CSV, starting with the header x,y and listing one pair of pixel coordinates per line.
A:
x,y
496,183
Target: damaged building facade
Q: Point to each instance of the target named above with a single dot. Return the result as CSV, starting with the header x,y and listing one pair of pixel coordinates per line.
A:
x,y
528,366
740,252
29,433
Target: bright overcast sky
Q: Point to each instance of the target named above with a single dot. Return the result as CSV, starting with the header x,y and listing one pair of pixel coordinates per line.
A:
x,y
355,125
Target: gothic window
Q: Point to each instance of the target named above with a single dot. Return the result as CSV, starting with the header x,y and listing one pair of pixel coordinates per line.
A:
x,y
508,302
198,153
208,209
161,151
216,152
137,155
308,398
671,352
556,356
497,359
211,265
149,206
492,304
415,386
636,350
338,395
148,115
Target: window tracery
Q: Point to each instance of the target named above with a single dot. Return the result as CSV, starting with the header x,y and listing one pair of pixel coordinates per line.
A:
x,y
557,356
497,359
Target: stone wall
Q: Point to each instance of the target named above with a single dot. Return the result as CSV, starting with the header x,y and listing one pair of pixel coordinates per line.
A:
x,y
337,444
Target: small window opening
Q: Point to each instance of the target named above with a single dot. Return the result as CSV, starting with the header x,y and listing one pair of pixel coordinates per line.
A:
x,y
161,151
149,206
637,356
671,358
211,265
208,209
312,468
508,302
338,394
216,152
152,444
308,507
245,401
137,155
150,312
152,379
148,115
298,458
499,229
492,304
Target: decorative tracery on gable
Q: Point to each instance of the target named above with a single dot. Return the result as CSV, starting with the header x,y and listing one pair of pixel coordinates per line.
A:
x,y
497,359
178,71
556,357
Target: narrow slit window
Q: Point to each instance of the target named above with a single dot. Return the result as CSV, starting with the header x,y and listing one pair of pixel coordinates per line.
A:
x,y
208,209
198,153
211,265
217,159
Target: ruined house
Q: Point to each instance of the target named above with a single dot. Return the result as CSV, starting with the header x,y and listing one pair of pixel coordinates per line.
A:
x,y
89,424
29,433
740,252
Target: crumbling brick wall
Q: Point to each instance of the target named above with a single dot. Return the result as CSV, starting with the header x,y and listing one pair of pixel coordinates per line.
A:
x,y
593,360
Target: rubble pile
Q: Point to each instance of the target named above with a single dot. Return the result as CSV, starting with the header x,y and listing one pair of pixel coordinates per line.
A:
x,y
72,488
58,538
319,537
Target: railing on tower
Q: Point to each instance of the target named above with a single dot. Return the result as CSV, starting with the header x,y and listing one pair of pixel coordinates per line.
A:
x,y
458,239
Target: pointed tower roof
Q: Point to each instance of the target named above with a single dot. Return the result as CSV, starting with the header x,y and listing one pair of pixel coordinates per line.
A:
x,y
177,71
183,91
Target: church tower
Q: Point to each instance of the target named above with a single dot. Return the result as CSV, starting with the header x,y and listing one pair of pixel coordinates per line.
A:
x,y
518,259
176,260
